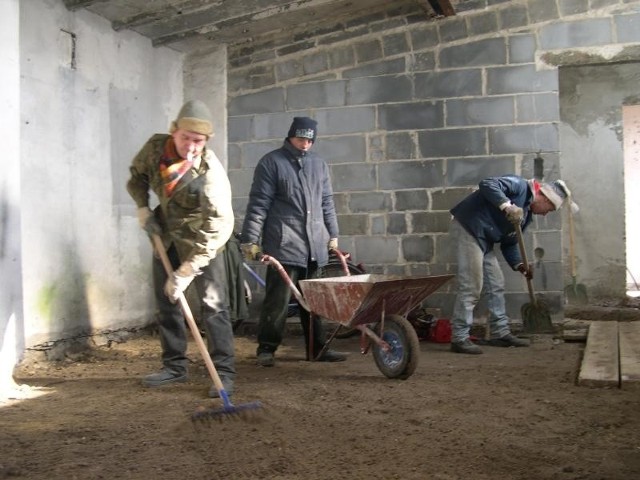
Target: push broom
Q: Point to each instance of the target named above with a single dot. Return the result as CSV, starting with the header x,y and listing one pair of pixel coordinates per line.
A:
x,y
227,409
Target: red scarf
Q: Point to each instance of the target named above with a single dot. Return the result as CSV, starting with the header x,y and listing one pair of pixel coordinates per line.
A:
x,y
172,167
536,187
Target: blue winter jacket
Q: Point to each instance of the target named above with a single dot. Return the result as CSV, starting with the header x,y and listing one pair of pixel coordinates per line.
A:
x,y
291,207
480,215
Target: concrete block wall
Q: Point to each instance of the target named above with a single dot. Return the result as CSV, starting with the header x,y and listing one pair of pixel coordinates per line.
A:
x,y
414,111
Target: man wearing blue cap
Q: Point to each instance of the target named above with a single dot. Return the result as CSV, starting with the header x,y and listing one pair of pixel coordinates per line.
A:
x,y
291,216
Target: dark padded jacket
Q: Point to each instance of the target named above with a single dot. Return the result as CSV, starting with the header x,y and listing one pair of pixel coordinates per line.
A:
x,y
291,210
480,215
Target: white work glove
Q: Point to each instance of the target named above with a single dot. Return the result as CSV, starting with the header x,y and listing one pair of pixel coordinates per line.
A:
x,y
147,221
179,280
333,244
514,213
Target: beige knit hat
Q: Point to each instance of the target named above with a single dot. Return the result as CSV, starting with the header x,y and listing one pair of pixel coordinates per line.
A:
x,y
195,117
558,192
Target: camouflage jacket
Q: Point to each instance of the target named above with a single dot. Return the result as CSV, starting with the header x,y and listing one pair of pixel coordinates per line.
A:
x,y
197,218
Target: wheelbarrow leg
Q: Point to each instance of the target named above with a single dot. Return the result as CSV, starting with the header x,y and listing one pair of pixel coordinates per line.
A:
x,y
310,339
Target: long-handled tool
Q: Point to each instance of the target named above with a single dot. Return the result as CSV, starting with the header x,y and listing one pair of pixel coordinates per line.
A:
x,y
228,408
535,315
575,292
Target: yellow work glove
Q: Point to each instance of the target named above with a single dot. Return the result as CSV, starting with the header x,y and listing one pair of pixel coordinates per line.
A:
x,y
333,244
250,251
514,213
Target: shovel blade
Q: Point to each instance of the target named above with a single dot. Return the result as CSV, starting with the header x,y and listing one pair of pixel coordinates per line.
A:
x,y
536,318
576,294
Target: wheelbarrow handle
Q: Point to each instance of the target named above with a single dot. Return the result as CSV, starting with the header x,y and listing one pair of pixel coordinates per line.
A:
x,y
343,260
269,260
523,254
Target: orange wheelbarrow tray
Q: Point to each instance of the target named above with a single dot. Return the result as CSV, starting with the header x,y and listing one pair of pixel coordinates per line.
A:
x,y
376,305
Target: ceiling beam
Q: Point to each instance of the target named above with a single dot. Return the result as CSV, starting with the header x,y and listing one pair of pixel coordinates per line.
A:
x,y
192,15
443,7
287,13
78,4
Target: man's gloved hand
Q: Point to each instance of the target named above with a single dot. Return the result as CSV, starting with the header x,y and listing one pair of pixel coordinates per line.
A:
x,y
251,251
333,244
514,213
147,221
527,272
179,280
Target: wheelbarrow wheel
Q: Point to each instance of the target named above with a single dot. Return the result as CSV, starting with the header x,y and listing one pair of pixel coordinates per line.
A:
x,y
401,360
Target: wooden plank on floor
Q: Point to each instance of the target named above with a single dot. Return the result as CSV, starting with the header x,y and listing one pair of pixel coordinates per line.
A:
x,y
629,333
600,364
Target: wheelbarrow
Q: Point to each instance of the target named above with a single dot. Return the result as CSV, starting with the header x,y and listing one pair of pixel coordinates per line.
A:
x,y
375,304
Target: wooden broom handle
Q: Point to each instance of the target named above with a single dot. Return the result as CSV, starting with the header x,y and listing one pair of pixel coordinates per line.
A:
x,y
523,254
159,247
572,253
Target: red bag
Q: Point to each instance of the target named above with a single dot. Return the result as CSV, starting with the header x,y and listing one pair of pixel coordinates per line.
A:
x,y
441,331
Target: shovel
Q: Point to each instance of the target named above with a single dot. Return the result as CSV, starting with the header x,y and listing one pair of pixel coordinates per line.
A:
x,y
535,315
576,292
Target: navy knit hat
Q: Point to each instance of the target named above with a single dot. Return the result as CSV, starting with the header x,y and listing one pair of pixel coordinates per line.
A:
x,y
303,127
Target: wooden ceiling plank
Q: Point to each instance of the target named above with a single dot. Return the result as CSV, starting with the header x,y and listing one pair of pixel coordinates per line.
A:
x,y
74,5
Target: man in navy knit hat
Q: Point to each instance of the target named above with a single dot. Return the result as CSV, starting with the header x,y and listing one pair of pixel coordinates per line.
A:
x,y
291,216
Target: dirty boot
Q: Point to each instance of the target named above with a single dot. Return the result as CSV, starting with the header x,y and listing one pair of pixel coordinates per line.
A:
x,y
227,384
508,340
164,377
466,346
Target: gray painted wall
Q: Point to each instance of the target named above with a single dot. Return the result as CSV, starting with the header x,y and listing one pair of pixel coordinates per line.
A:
x,y
414,112
592,143
79,120
11,313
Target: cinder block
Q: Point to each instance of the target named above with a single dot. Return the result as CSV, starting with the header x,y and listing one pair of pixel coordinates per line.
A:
x,y
346,149
520,79
449,84
412,174
353,177
338,121
581,33
453,142
469,171
379,90
525,138
268,101
480,111
411,116
417,248
492,51
316,94
522,49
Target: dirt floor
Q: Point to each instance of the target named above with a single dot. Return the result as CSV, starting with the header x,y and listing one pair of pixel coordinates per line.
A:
x,y
507,414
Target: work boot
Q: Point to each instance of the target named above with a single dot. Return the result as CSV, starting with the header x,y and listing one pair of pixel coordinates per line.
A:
x,y
508,340
332,356
227,384
265,359
164,377
466,346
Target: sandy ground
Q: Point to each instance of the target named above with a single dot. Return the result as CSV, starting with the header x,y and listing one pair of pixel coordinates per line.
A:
x,y
507,414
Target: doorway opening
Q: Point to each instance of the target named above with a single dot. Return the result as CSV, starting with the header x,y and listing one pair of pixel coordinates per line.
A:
x,y
631,134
